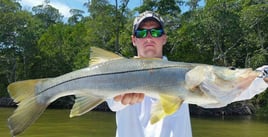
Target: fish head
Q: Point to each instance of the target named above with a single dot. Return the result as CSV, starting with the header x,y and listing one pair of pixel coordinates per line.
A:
x,y
230,78
218,86
225,73
222,77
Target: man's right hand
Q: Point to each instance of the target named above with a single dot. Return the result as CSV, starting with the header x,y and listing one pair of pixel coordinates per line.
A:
x,y
130,98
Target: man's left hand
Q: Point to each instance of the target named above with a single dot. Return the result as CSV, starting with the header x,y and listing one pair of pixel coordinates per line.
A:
x,y
264,69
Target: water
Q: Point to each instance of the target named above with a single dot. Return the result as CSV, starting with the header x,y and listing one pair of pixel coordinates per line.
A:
x,y
230,127
56,123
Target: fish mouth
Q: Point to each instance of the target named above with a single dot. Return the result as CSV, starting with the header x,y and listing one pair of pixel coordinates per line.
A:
x,y
248,73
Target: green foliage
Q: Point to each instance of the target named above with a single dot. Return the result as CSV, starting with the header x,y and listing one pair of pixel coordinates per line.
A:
x,y
125,43
47,13
254,22
101,26
163,7
60,47
77,16
39,44
262,102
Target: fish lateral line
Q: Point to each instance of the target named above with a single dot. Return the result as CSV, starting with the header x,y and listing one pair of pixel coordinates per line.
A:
x,y
104,74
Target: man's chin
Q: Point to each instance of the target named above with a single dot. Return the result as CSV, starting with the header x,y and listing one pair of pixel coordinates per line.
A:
x,y
150,53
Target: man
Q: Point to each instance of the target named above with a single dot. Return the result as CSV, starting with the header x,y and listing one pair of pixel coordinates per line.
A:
x,y
133,110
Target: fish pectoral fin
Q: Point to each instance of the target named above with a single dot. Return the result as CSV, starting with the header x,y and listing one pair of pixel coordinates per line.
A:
x,y
220,94
195,76
98,55
166,106
84,103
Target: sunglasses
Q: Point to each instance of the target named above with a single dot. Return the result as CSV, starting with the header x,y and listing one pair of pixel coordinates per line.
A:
x,y
142,33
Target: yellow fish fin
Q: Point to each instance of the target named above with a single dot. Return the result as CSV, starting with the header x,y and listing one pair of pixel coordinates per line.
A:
x,y
157,113
84,103
28,109
23,117
170,104
136,57
166,106
21,90
98,55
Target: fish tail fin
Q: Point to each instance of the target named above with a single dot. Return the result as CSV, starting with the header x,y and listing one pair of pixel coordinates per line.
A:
x,y
22,90
29,110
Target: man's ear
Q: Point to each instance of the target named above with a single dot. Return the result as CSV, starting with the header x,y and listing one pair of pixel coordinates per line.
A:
x,y
133,40
165,39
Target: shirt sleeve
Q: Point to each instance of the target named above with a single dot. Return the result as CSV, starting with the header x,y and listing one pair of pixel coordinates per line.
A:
x,y
114,105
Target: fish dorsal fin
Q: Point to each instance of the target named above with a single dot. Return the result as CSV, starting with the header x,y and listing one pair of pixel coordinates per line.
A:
x,y
136,57
166,106
98,55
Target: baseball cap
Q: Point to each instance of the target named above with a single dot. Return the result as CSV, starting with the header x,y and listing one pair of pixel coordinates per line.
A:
x,y
145,16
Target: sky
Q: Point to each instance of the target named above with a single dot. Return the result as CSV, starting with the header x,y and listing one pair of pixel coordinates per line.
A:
x,y
64,6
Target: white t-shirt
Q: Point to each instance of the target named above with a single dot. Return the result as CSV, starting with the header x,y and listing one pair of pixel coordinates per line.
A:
x,y
134,121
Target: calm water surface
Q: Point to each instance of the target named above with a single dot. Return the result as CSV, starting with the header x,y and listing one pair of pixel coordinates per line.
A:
x,y
56,123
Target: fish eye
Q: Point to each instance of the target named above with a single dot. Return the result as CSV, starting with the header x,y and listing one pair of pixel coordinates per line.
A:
x,y
232,68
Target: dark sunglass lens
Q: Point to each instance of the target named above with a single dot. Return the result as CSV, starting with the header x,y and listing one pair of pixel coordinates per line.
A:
x,y
141,33
156,32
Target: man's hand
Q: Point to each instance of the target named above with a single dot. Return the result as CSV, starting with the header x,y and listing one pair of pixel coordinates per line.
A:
x,y
129,98
264,69
266,79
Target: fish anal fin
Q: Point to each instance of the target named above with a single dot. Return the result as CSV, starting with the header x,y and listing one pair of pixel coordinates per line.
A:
x,y
83,104
98,55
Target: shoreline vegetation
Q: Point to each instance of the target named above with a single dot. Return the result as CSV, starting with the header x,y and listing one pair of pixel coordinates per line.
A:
x,y
235,109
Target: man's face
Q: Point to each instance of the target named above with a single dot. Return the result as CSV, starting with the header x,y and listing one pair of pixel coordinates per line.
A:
x,y
149,47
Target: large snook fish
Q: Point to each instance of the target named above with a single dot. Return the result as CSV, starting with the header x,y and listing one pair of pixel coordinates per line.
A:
x,y
109,75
